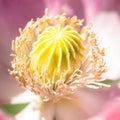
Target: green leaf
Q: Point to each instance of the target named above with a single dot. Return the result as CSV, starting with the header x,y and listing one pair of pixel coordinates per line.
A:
x,y
105,83
13,109
110,82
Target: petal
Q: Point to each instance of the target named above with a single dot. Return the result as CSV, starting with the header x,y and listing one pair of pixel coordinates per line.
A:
x,y
107,25
47,110
69,110
3,116
58,5
20,12
31,112
13,15
28,113
112,111
91,8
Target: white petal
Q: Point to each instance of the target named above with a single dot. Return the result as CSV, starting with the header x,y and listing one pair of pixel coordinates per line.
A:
x,y
107,24
29,114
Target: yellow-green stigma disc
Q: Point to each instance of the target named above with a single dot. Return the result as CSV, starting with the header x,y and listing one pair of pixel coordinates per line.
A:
x,y
57,50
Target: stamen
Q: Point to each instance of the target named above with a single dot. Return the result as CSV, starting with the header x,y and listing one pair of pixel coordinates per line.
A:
x,y
54,56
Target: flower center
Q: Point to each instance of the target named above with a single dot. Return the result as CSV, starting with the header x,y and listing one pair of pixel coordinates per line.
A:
x,y
57,50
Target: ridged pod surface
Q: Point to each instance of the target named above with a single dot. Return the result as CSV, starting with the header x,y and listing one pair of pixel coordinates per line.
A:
x,y
57,50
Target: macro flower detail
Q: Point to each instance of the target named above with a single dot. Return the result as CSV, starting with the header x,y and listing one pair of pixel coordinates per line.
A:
x,y
57,50
55,56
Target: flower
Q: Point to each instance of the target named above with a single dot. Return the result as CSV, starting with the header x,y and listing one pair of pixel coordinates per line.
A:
x,y
54,57
107,24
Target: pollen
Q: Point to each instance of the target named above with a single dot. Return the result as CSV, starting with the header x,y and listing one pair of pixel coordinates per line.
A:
x,y
54,56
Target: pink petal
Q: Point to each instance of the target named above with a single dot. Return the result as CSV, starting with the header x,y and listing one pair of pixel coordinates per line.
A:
x,y
3,116
69,110
112,112
17,13
55,6
93,7
13,15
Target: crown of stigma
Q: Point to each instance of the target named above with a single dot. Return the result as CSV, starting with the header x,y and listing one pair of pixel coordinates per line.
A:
x,y
54,56
58,49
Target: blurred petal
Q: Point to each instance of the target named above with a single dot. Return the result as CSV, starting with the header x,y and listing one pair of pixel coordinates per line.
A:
x,y
47,110
94,7
107,25
54,6
30,112
3,116
76,8
91,8
59,5
112,111
86,105
70,110
13,14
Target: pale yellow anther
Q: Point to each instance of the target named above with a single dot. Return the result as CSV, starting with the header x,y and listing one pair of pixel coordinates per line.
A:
x,y
55,55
